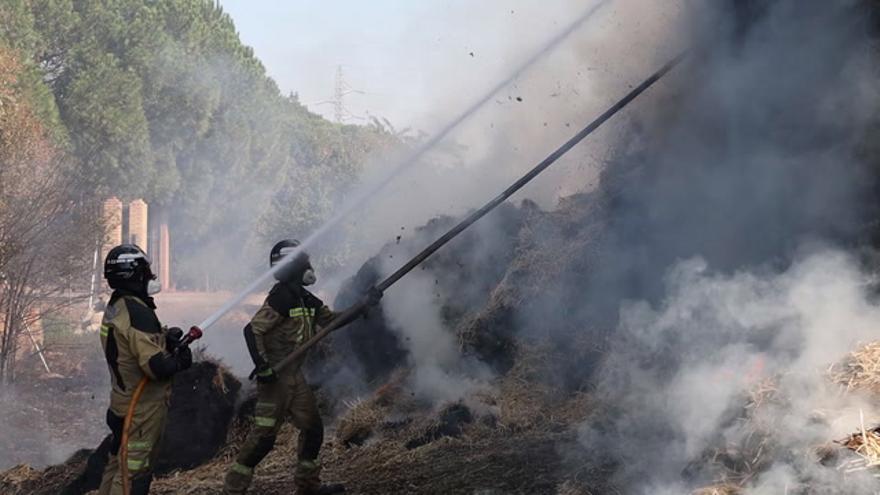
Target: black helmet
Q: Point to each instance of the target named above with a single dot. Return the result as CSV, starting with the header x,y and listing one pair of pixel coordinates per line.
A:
x,y
294,269
281,249
128,267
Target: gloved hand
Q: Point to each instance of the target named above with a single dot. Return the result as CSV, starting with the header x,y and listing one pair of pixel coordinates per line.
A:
x,y
370,301
184,357
173,337
373,297
265,374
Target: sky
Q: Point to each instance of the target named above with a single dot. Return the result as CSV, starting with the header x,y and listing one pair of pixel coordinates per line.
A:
x,y
402,57
420,63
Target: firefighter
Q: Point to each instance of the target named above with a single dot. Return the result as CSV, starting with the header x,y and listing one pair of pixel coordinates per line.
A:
x,y
287,318
136,346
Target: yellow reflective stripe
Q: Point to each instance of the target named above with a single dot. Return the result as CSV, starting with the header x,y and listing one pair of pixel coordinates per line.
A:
x,y
105,329
264,421
270,405
242,469
137,464
302,312
138,446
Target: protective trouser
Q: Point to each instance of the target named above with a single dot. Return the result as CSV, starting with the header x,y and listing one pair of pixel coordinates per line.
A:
x,y
144,437
289,397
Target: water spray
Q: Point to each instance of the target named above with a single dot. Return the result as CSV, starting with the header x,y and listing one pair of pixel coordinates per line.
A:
x,y
361,198
352,312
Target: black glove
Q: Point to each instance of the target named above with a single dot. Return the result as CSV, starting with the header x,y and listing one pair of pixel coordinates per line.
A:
x,y
173,336
265,374
184,357
165,364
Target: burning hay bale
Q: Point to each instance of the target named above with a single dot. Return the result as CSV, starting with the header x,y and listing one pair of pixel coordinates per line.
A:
x,y
202,406
860,370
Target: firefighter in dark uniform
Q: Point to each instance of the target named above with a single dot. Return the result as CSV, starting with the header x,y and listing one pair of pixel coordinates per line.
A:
x,y
136,346
288,317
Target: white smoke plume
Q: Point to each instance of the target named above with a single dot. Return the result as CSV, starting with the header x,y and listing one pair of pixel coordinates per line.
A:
x,y
439,374
682,371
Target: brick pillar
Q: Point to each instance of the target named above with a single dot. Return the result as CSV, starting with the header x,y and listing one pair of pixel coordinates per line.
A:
x,y
165,258
112,211
138,223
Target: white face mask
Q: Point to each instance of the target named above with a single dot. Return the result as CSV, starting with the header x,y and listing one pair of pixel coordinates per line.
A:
x,y
153,287
309,277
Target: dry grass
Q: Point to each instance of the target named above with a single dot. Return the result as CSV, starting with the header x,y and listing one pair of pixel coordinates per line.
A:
x,y
17,476
866,445
721,489
359,422
511,447
734,464
860,370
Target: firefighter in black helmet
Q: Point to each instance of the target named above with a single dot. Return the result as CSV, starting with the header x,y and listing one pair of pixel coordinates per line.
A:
x,y
136,346
289,316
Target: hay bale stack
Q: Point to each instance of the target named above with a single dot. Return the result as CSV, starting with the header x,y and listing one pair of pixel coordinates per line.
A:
x,y
202,407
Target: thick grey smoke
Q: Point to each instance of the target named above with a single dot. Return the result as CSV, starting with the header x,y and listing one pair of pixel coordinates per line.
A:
x,y
712,207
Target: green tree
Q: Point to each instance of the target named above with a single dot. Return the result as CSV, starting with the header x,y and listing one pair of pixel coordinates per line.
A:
x,y
161,100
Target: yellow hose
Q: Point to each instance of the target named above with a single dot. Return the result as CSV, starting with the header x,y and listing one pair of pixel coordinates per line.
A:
x,y
126,425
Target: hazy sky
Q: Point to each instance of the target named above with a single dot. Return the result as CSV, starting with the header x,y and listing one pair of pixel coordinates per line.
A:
x,y
406,56
421,62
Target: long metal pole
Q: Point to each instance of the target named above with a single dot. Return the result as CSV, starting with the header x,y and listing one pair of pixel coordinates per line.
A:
x,y
352,312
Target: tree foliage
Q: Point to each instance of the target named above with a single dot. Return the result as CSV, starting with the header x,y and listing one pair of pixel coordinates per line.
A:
x,y
47,229
161,100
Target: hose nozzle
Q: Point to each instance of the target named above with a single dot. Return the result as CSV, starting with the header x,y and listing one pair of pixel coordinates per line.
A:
x,y
195,333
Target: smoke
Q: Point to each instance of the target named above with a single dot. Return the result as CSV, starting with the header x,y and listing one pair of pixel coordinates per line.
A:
x,y
439,373
716,202
681,373
616,48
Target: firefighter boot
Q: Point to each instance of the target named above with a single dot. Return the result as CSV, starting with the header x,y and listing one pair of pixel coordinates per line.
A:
x,y
238,479
308,480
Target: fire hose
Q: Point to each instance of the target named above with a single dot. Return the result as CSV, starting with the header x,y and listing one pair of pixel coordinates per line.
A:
x,y
194,334
352,312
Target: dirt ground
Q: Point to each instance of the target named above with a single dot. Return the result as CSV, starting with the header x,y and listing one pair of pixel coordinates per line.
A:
x,y
47,417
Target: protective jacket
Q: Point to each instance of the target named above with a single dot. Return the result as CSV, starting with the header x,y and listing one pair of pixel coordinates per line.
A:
x,y
288,317
134,346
